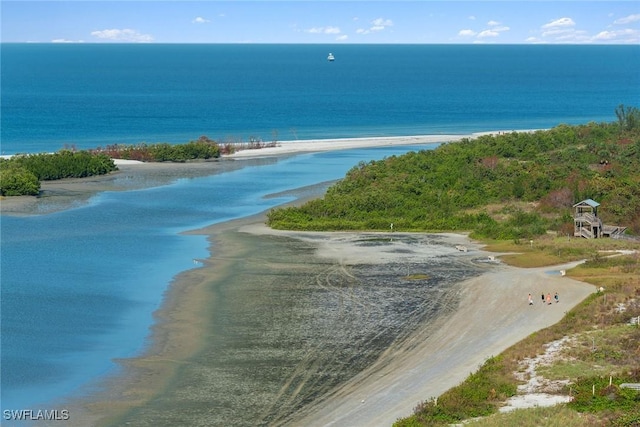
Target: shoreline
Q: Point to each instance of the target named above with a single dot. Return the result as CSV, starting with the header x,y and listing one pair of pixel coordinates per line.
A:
x,y
319,145
330,144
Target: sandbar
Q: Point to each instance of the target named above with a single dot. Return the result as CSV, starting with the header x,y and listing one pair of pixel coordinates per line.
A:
x,y
318,145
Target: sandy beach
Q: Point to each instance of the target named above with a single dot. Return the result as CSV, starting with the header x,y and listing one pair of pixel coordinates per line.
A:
x,y
477,318
294,147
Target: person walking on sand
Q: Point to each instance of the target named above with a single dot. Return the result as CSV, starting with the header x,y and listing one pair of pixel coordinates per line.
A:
x,y
557,297
543,297
530,300
549,298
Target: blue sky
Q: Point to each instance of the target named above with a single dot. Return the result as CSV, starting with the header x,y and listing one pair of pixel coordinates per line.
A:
x,y
328,21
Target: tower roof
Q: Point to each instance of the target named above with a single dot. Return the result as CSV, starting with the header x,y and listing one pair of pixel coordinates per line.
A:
x,y
587,202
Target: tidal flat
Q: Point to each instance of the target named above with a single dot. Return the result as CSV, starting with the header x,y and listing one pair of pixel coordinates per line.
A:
x,y
287,323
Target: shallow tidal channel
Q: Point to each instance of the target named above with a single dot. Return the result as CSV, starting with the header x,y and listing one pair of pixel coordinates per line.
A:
x,y
286,327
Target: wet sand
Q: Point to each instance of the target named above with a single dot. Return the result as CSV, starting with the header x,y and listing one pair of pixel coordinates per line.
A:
x,y
488,314
314,329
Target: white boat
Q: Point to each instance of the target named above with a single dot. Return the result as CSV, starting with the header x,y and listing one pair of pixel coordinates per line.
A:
x,y
330,57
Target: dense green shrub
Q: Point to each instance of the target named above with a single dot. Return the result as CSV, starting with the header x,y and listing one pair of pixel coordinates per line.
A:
x,y
18,181
593,394
64,164
436,190
21,174
202,148
479,395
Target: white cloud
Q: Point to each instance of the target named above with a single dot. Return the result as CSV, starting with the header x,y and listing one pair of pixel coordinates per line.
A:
x,y
494,29
467,33
200,20
323,30
342,38
560,23
605,35
473,18
378,24
488,33
627,19
557,32
124,35
564,30
619,36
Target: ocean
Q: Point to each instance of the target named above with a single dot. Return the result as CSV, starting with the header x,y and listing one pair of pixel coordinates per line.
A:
x,y
79,286
88,95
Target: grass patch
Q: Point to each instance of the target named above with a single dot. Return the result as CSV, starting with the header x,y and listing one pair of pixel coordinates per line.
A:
x,y
555,416
478,396
549,250
573,369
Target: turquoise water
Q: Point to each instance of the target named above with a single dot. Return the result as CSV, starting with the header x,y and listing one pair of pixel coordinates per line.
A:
x,y
79,287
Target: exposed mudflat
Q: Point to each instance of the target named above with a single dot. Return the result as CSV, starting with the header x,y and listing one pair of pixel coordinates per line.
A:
x,y
316,329
293,319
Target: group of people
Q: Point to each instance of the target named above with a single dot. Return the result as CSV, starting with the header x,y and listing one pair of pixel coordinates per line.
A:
x,y
546,299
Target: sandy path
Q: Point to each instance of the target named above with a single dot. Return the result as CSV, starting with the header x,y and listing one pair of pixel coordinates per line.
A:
x,y
492,316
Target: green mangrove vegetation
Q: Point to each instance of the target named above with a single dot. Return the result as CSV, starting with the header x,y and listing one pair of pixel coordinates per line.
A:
x,y
201,149
508,186
21,174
